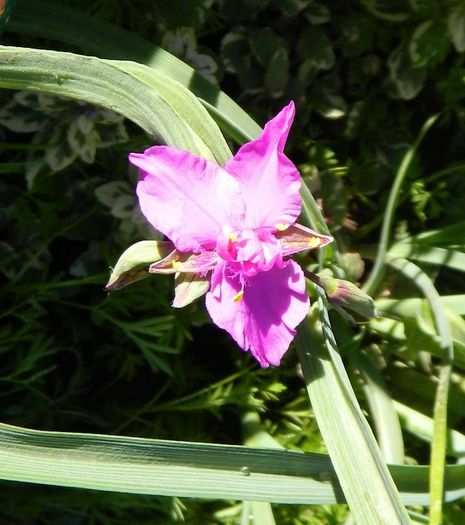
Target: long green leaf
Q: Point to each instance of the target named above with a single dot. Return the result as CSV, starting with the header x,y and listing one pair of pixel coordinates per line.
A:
x,y
414,305
44,19
362,472
453,259
378,268
382,410
148,104
170,468
439,442
421,426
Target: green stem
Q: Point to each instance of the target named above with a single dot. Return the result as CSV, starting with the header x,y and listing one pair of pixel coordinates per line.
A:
x,y
378,268
439,440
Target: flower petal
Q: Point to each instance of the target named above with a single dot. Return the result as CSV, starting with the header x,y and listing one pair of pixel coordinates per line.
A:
x,y
297,238
264,320
269,181
185,197
182,262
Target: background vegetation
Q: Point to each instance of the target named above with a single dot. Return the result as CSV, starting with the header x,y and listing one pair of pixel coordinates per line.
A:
x,y
365,76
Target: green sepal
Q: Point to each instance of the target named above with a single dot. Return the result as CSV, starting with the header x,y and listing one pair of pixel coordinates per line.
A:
x,y
133,264
188,287
352,303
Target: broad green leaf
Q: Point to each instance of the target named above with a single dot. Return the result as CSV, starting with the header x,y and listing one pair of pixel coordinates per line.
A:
x,y
59,22
317,13
315,46
429,44
456,26
390,10
184,104
277,73
83,144
59,152
264,43
21,120
140,93
196,470
407,79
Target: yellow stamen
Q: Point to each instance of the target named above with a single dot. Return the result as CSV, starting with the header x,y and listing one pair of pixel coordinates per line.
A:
x,y
178,266
233,237
314,242
281,227
238,297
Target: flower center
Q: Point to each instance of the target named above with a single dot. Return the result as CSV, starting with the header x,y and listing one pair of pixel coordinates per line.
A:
x,y
252,251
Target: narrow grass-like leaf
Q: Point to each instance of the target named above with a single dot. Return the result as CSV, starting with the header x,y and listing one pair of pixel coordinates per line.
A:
x,y
421,426
378,268
170,468
400,307
445,236
99,82
362,472
439,442
429,254
62,23
382,409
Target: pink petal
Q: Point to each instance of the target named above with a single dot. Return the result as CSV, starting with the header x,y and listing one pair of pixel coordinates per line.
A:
x,y
187,198
269,181
298,238
264,321
182,262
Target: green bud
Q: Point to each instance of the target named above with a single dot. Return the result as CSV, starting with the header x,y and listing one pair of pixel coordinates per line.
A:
x,y
345,297
133,264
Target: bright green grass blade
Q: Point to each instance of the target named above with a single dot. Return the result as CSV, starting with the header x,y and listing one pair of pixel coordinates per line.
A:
x,y
401,307
99,82
387,426
421,426
367,484
376,274
445,236
394,330
170,468
146,466
439,442
453,259
362,472
184,104
44,19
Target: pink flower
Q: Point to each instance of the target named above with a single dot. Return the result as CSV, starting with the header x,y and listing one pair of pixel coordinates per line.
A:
x,y
237,222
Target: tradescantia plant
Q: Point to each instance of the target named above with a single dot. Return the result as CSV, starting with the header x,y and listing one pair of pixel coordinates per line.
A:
x,y
231,224
238,224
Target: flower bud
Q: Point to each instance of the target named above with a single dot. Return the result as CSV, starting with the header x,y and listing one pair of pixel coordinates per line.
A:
x,y
345,297
133,264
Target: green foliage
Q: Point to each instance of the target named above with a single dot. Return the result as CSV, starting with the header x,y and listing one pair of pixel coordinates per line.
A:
x,y
65,131
365,76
